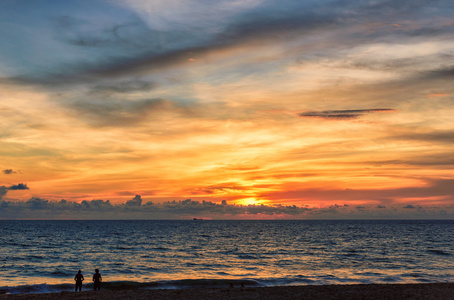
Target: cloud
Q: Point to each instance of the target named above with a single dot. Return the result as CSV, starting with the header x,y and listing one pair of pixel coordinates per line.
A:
x,y
431,188
103,112
139,39
409,206
8,171
435,136
440,73
97,205
226,187
130,46
136,201
122,87
37,203
20,186
187,209
342,114
133,35
134,208
3,191
247,29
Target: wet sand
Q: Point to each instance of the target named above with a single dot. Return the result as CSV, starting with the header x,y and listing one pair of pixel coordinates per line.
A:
x,y
434,291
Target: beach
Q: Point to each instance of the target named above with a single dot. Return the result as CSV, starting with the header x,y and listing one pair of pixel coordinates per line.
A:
x,y
434,291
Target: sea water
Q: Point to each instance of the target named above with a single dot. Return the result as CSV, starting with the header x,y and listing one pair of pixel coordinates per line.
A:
x,y
44,256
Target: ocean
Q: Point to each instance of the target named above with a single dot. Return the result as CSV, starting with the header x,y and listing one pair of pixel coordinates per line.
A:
x,y
44,256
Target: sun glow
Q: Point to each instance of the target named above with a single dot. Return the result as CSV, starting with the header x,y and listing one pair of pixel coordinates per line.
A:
x,y
248,201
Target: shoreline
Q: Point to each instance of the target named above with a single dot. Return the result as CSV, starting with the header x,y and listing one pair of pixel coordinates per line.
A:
x,y
427,291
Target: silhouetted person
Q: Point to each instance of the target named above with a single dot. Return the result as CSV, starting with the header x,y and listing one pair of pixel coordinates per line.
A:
x,y
97,278
79,278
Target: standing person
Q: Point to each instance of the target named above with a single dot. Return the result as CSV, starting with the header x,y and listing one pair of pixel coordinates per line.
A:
x,y
97,278
79,278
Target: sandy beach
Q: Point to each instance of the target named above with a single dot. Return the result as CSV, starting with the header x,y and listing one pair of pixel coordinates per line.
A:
x,y
434,291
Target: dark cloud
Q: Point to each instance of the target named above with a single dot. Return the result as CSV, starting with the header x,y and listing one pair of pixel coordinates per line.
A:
x,y
430,137
269,23
101,112
19,186
427,79
8,171
122,87
275,23
441,73
134,208
37,203
128,45
403,65
389,9
136,201
264,26
342,114
103,209
127,35
441,158
113,66
97,205
3,191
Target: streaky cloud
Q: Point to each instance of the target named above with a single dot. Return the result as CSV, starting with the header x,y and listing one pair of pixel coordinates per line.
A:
x,y
122,87
441,73
430,137
440,187
124,113
130,45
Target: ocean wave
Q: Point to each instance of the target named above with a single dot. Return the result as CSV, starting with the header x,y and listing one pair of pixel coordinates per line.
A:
x,y
263,253
129,285
327,279
438,252
36,289
60,273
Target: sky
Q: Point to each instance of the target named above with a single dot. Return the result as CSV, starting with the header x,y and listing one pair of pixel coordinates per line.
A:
x,y
228,109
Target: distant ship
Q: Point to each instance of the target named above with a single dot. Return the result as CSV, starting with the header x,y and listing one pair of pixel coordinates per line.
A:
x,y
197,219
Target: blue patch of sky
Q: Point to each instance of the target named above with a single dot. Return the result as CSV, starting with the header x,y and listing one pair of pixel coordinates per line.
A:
x,y
34,31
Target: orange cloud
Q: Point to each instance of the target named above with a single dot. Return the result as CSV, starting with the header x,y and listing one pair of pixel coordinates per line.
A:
x,y
437,95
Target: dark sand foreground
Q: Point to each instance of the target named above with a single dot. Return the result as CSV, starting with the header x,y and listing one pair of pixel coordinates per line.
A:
x,y
443,291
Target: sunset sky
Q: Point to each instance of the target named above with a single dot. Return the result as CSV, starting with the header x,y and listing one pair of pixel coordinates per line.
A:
x,y
335,109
